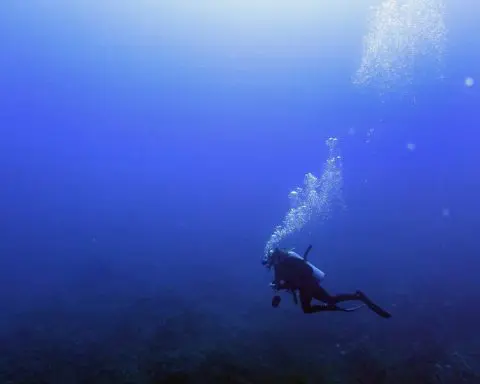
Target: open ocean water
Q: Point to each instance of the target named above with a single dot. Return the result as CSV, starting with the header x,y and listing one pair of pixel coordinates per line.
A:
x,y
153,152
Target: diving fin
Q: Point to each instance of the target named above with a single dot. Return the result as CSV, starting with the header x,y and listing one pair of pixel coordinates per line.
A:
x,y
374,307
334,307
307,251
351,309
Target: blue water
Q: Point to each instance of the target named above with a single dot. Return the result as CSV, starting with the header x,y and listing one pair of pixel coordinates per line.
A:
x,y
146,156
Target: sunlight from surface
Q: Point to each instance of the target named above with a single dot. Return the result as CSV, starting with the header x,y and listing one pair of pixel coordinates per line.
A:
x,y
213,25
218,19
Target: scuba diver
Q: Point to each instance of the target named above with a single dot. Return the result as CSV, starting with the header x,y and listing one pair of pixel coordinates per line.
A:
x,y
293,273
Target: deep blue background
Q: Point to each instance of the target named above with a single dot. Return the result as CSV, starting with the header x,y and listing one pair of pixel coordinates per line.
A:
x,y
145,153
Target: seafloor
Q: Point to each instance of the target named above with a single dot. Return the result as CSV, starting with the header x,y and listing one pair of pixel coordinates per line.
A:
x,y
168,339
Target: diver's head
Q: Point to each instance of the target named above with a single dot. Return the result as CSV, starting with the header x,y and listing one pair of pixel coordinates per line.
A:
x,y
273,257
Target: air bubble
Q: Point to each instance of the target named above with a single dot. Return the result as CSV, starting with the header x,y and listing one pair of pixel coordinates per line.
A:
x,y
399,32
314,199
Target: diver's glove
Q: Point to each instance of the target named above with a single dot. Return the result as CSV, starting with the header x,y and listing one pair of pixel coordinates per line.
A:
x,y
276,301
277,287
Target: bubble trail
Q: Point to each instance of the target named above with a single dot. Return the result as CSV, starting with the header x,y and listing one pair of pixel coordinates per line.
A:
x,y
399,32
314,200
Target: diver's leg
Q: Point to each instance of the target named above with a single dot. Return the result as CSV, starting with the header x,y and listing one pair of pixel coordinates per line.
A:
x,y
322,295
306,297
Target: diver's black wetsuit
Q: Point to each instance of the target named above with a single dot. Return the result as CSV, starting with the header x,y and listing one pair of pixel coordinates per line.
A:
x,y
315,291
295,274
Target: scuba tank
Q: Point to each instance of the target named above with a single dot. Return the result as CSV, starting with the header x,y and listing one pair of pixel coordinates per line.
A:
x,y
317,273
